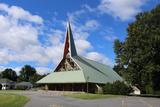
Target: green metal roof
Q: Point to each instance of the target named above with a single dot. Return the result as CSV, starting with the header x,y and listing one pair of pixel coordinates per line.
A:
x,y
96,72
91,71
64,77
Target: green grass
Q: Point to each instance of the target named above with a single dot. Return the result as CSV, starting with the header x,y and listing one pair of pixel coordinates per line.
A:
x,y
88,96
12,100
11,90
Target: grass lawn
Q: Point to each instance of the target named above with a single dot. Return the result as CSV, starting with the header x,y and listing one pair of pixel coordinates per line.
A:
x,y
12,100
89,96
6,91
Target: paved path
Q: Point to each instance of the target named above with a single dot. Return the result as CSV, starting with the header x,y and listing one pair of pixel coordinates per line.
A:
x,y
51,99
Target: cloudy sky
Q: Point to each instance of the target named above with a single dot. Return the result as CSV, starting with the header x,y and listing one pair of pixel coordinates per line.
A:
x,y
33,31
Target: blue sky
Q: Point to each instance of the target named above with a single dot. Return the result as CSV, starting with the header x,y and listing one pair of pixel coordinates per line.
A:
x,y
33,32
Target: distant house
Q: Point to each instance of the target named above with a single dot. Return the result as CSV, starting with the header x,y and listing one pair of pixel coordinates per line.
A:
x,y
6,84
24,85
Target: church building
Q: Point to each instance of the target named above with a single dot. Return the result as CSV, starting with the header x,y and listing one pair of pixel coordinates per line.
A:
x,y
76,73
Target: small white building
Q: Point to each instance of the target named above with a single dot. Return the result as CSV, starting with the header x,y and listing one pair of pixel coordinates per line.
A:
x,y
6,84
136,91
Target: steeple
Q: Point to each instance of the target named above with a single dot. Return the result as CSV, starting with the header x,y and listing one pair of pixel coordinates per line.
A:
x,y
67,63
69,48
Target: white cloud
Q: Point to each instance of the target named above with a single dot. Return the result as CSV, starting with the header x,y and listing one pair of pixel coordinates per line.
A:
x,y
100,58
55,53
109,34
91,24
32,53
56,36
20,13
122,9
82,46
44,70
16,36
20,41
4,57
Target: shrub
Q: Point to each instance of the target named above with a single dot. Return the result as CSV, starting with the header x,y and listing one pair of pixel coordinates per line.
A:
x,y
117,87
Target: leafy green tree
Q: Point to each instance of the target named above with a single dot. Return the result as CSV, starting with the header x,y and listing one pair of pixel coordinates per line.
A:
x,y
9,73
139,55
29,74
26,73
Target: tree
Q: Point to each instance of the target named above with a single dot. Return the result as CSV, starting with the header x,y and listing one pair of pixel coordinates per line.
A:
x,y
9,73
138,56
29,74
118,49
26,73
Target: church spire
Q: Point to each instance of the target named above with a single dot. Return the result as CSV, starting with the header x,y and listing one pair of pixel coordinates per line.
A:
x,y
69,43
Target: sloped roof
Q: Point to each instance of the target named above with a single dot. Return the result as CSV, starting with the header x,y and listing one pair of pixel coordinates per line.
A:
x,y
90,71
23,83
5,80
95,72
64,77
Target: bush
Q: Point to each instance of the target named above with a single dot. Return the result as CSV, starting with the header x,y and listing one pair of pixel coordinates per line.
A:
x,y
117,87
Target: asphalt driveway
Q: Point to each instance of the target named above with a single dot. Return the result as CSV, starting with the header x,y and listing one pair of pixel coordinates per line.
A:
x,y
52,99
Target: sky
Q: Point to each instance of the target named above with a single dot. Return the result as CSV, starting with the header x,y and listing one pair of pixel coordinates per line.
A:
x,y
33,31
